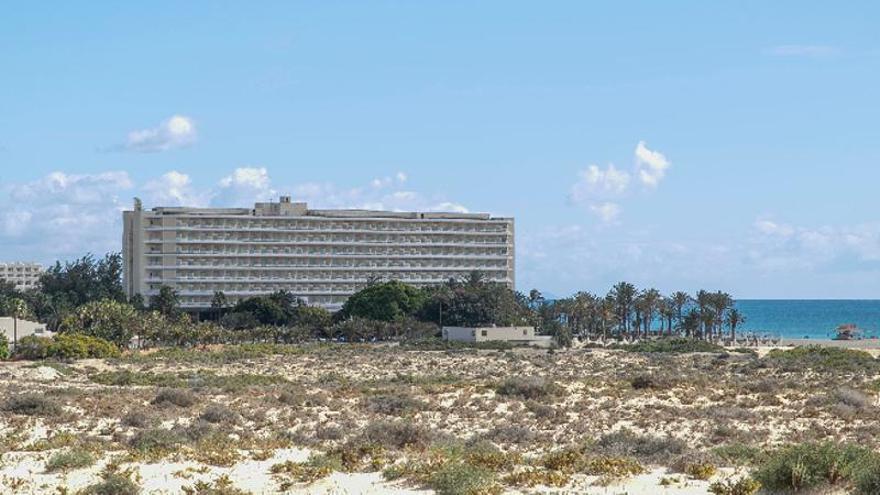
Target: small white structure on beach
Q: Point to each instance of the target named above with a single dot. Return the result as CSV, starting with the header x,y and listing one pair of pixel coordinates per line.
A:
x,y
15,330
514,335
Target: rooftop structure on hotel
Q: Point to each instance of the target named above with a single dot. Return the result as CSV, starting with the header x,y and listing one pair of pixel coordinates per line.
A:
x,y
320,256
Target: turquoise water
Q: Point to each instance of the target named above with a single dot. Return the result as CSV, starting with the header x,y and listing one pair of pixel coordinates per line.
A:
x,y
816,319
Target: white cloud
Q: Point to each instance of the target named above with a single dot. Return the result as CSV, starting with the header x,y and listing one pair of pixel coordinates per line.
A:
x,y
651,165
176,132
809,51
63,215
608,212
66,215
600,189
173,189
595,183
243,187
772,228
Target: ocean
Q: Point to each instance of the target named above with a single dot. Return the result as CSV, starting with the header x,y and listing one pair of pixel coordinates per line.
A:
x,y
814,319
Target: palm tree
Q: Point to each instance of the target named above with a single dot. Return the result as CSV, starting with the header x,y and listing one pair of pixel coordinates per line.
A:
x,y
679,301
652,300
703,301
720,303
607,316
623,294
19,310
734,319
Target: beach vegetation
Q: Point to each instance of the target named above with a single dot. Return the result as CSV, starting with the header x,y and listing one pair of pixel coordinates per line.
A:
x,y
821,359
31,404
740,486
75,458
813,465
531,387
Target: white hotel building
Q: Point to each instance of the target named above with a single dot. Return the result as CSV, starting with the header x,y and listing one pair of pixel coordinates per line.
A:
x,y
25,276
320,256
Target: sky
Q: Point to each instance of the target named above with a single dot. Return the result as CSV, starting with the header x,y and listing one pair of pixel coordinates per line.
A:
x,y
677,145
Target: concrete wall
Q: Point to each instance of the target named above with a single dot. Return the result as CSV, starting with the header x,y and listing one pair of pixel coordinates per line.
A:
x,y
25,328
484,334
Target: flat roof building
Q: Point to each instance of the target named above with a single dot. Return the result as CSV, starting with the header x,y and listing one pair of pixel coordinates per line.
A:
x,y
320,256
24,275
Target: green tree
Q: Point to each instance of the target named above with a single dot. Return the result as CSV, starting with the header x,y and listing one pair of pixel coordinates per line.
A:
x,y
167,301
108,319
387,301
219,303
84,280
275,309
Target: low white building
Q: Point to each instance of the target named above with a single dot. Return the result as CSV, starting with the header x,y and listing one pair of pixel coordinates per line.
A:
x,y
14,330
514,335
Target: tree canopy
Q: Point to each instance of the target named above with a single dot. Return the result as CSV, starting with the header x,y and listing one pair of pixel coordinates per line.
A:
x,y
387,301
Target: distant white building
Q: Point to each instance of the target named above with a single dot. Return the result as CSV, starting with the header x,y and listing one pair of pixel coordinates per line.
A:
x,y
14,330
514,335
24,275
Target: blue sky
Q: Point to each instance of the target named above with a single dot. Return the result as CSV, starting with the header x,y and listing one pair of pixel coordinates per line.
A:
x,y
741,139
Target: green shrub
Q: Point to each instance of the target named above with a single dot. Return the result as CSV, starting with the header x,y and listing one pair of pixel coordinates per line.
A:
x,y
155,441
176,397
810,465
740,454
673,345
399,404
113,484
614,467
218,413
64,346
821,358
742,486
646,448
528,388
31,405
32,347
69,459
458,478
4,347
866,479
79,346
397,435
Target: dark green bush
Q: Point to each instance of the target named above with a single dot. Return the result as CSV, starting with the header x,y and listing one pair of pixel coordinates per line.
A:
x,y
646,448
528,388
4,348
398,435
155,441
673,345
69,459
113,484
176,397
460,478
821,358
812,465
31,405
32,347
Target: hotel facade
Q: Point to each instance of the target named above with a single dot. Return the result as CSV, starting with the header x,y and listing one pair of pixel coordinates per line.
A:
x,y
25,276
320,256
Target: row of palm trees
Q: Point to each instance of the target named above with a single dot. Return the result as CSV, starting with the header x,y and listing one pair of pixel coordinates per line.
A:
x,y
628,313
